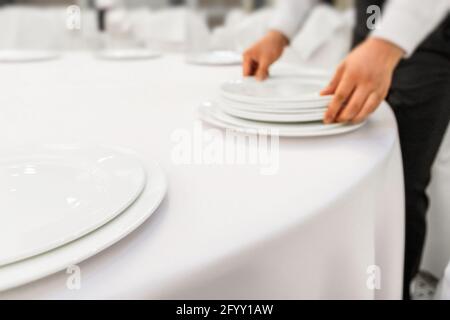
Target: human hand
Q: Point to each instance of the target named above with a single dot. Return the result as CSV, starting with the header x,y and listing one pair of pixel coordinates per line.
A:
x,y
259,57
362,81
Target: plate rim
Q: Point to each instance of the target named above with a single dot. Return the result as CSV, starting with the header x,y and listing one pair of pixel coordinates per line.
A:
x,y
99,222
272,117
272,131
148,54
33,55
216,112
192,58
279,106
113,231
315,97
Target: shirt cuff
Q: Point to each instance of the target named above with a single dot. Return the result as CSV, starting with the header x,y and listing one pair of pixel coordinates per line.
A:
x,y
288,28
288,16
403,34
407,24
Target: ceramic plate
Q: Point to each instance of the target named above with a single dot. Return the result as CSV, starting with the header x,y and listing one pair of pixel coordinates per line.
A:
x,y
27,55
300,107
271,117
40,266
290,69
54,194
274,89
218,58
128,54
218,118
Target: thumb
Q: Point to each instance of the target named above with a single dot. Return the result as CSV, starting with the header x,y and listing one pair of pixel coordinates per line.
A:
x,y
332,86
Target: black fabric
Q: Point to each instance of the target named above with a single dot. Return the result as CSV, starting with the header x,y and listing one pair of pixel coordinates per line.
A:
x,y
420,99
361,31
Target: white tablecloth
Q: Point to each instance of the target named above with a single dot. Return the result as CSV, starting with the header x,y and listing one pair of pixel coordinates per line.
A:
x,y
334,208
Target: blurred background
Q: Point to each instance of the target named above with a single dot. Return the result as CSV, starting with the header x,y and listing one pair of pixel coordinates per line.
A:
x,y
166,25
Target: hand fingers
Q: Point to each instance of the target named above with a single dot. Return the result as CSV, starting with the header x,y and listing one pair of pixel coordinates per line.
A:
x,y
354,105
371,104
334,82
342,95
263,69
248,66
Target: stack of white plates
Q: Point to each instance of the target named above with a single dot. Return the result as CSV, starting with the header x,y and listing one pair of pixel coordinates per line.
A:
x,y
283,105
62,204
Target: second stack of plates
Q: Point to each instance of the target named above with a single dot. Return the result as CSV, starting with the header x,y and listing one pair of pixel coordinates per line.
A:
x,y
288,105
61,204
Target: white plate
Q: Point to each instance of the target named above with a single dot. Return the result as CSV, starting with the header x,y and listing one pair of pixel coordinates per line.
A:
x,y
51,195
220,119
128,54
27,55
290,69
215,58
300,107
40,266
271,117
213,109
275,89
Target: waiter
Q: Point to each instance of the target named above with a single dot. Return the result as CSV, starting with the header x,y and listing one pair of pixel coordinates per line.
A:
x,y
406,60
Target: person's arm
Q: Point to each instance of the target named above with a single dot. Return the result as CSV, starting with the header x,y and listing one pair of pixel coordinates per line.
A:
x,y
363,79
287,18
406,23
289,14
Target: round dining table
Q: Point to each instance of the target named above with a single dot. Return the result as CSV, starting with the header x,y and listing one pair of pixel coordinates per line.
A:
x,y
323,219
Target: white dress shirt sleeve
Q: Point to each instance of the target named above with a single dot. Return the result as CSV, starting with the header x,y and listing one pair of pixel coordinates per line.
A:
x,y
406,23
289,15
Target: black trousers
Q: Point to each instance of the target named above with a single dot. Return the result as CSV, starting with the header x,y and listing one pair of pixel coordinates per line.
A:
x,y
420,99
